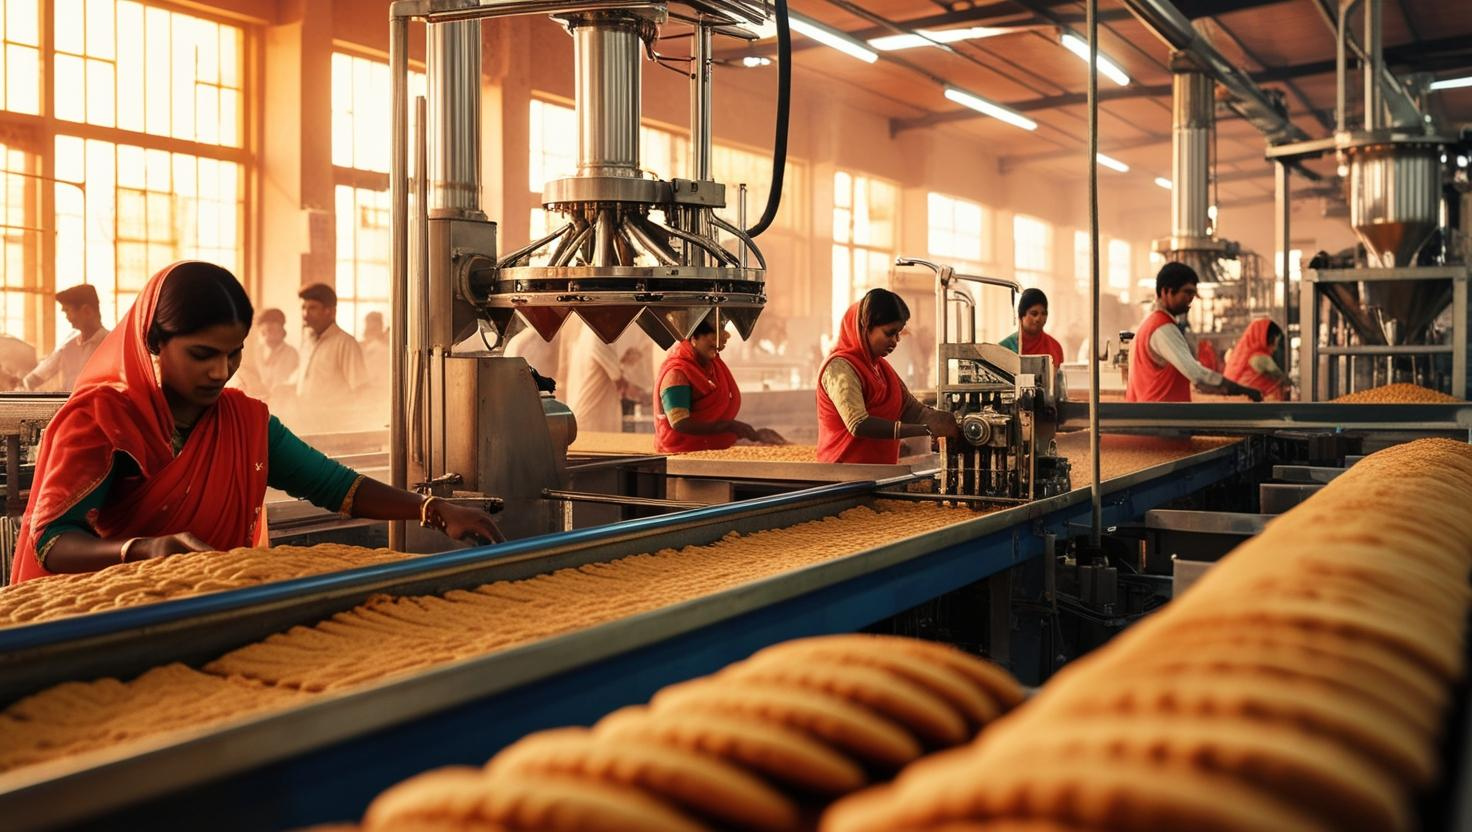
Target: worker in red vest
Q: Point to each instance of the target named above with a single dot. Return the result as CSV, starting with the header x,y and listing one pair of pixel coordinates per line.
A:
x,y
1163,367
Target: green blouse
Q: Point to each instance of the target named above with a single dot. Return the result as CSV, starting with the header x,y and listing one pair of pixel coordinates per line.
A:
x,y
294,467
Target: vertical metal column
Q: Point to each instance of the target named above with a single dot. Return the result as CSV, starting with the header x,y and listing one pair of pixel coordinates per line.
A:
x,y
1096,488
398,50
1374,57
1459,337
1284,211
700,130
1192,118
1308,339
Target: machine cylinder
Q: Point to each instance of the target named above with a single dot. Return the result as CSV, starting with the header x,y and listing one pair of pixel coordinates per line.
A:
x,y
607,65
1394,198
453,63
1191,124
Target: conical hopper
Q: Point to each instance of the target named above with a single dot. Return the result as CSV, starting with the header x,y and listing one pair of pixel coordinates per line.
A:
x,y
546,320
744,318
656,329
504,322
609,321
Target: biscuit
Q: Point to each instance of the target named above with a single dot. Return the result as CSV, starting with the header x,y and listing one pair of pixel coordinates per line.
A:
x,y
1127,795
847,728
925,715
771,750
700,784
942,680
464,798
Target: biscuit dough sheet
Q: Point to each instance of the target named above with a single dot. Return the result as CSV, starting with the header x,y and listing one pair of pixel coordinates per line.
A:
x,y
389,636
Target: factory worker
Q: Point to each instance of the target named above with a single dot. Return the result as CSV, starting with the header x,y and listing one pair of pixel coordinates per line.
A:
x,y
83,311
1163,367
596,384
153,456
1253,361
697,402
1032,316
864,409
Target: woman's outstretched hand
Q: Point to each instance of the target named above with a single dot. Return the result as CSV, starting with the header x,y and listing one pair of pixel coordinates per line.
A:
x,y
161,547
465,523
767,436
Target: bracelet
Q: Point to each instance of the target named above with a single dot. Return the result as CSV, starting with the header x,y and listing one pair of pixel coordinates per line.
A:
x,y
896,428
127,549
424,513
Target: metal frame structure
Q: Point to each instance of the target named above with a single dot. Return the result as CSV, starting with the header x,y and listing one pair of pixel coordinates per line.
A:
x,y
338,752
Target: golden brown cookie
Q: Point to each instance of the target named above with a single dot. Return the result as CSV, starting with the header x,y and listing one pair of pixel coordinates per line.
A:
x,y
462,798
847,728
940,679
697,783
907,704
769,749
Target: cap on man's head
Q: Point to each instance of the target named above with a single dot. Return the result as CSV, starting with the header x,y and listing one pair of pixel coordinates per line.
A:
x,y
271,316
1172,276
320,292
83,295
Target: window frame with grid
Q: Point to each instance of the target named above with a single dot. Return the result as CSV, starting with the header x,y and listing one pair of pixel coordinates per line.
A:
x,y
857,235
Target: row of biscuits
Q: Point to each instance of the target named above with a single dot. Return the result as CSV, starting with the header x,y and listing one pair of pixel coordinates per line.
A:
x,y
1303,684
180,576
388,636
762,745
1397,394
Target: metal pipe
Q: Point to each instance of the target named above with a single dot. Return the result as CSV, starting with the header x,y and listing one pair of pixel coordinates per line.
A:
x,y
619,500
606,83
398,50
1167,22
531,248
1374,58
603,254
708,246
575,242
1096,488
661,252
453,55
701,115
1340,62
1192,111
1404,110
422,380
747,244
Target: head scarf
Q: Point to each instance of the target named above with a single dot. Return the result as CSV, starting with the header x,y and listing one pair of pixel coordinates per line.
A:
x,y
213,489
1254,342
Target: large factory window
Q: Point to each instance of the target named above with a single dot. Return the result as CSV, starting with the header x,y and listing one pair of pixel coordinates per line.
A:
x,y
362,153
865,219
20,57
20,244
959,229
1032,250
1121,266
124,211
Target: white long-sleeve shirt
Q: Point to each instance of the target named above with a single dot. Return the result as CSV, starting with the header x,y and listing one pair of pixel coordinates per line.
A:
x,y
67,361
1168,344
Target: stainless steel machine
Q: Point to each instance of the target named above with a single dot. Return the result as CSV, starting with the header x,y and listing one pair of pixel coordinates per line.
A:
x,y
1006,403
630,248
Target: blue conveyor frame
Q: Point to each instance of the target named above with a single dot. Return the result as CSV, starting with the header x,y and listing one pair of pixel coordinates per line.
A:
x,y
334,779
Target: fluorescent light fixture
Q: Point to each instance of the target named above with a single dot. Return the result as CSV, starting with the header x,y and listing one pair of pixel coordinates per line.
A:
x,y
991,108
755,61
1113,163
930,37
832,38
1452,83
1461,161
1165,183
1080,47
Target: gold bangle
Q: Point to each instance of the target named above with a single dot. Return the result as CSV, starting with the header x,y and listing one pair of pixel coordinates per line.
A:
x,y
424,513
127,549
896,428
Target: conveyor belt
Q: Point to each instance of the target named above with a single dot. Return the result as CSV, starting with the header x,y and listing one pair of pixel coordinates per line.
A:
x,y
1225,417
326,759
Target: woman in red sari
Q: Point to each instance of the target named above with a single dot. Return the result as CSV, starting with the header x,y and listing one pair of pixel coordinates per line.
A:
x,y
696,400
864,409
1253,361
152,456
1032,316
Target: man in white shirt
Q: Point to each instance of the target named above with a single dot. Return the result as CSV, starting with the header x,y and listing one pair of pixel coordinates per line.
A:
x,y
595,381
332,368
268,367
375,340
1163,367
61,368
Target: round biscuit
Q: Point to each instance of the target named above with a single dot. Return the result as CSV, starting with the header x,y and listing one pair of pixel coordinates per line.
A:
x,y
1317,775
991,678
1357,726
912,706
772,750
942,680
468,800
1123,796
698,783
845,727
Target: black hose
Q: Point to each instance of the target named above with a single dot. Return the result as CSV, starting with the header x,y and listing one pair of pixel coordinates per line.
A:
x,y
784,106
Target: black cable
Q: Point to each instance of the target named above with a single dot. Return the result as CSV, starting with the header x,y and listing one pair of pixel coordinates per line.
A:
x,y
784,106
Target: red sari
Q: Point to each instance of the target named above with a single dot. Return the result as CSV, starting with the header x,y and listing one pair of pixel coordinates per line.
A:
x,y
714,397
1041,344
215,488
1254,342
884,397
